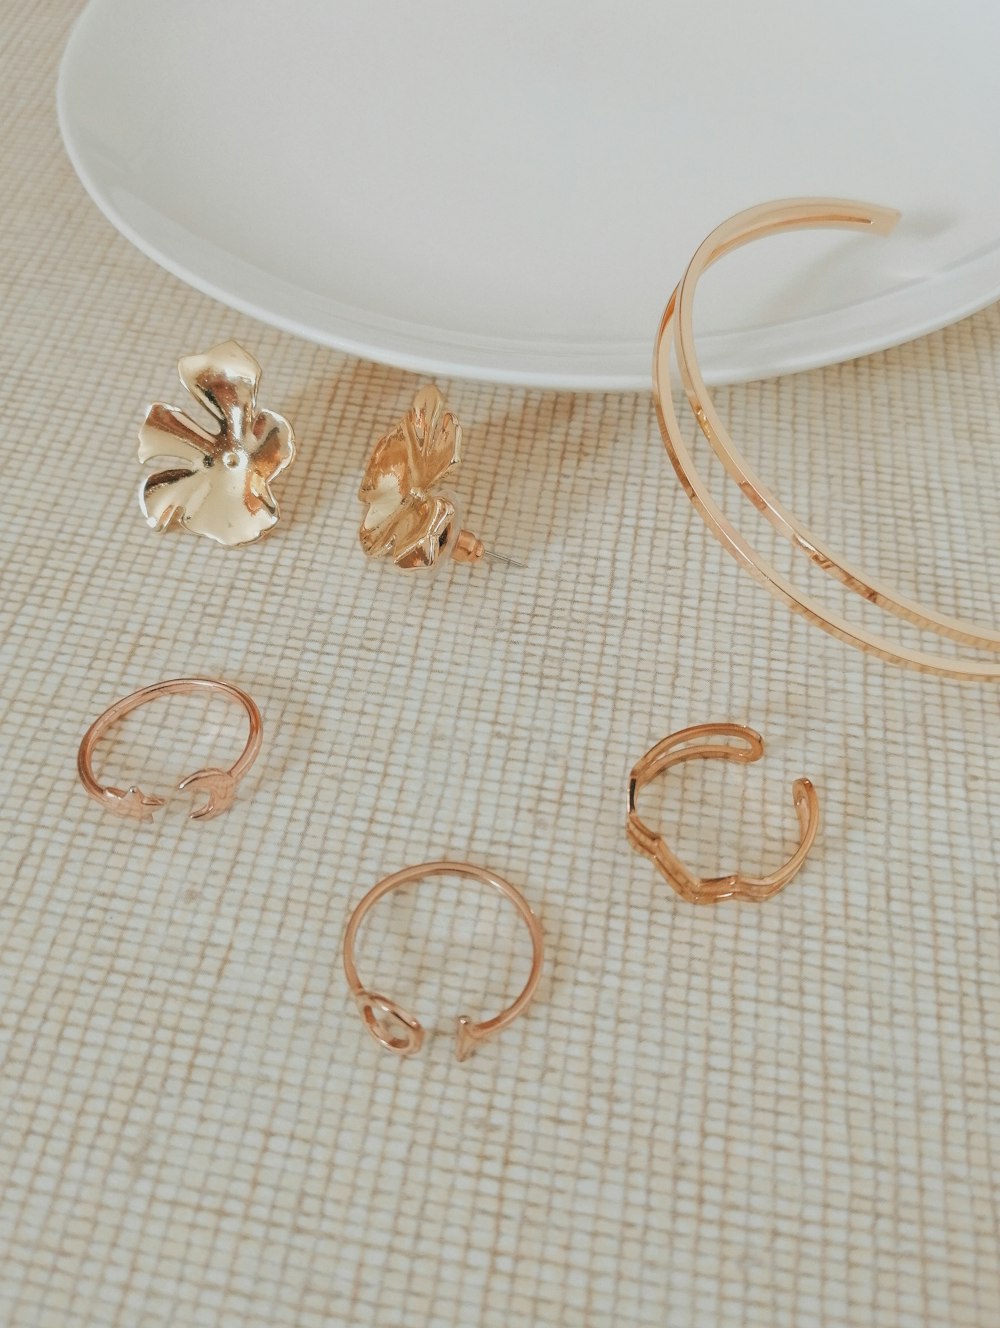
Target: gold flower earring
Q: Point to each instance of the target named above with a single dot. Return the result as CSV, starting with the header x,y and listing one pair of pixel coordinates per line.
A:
x,y
403,521
215,484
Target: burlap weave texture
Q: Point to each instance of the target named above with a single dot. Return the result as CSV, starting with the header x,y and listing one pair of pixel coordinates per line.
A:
x,y
735,1116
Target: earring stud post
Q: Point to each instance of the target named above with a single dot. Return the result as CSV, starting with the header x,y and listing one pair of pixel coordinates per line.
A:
x,y
469,548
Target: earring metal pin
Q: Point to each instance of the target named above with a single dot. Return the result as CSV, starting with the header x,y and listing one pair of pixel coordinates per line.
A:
x,y
495,557
469,549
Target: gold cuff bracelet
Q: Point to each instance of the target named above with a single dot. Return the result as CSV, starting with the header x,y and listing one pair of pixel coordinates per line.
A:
x,y
677,333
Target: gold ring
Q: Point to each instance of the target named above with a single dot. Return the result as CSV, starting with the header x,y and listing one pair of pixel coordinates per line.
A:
x,y
389,1024
220,785
689,745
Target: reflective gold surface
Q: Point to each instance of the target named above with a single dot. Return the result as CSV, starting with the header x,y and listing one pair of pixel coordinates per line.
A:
x,y
404,522
397,1029
218,785
215,484
688,745
676,337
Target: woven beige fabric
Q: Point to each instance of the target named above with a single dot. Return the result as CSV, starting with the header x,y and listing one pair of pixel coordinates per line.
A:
x,y
740,1116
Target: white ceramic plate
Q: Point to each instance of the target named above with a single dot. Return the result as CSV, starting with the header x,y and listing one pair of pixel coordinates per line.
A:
x,y
510,191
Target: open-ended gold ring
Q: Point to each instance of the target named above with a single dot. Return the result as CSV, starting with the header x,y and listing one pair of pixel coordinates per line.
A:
x,y
690,745
395,1028
677,333
220,785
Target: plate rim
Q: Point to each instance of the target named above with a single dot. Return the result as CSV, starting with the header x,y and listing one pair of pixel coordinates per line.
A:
x,y
725,356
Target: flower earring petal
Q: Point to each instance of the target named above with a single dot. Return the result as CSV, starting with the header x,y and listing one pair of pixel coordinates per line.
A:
x,y
403,521
215,484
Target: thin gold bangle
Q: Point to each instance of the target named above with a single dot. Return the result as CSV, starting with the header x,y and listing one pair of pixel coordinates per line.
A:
x,y
677,322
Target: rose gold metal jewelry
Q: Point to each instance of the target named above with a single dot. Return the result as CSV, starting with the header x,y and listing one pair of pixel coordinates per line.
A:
x,y
220,785
677,326
395,1028
404,522
689,745
215,484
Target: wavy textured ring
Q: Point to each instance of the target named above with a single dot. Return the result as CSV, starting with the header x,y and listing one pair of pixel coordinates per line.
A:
x,y
691,744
